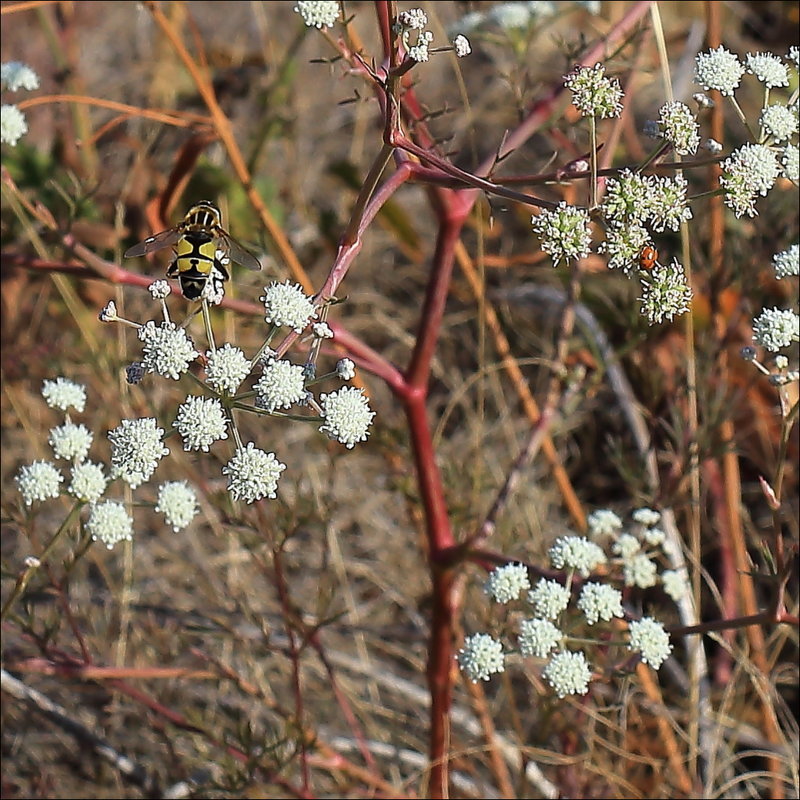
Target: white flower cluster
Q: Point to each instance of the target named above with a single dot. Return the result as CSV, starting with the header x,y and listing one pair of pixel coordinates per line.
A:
x,y
136,450
558,624
14,75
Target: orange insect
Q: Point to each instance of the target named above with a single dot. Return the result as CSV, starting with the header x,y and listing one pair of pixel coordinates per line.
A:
x,y
648,257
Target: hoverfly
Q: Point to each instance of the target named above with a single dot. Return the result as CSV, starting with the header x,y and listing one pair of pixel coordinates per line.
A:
x,y
196,240
648,257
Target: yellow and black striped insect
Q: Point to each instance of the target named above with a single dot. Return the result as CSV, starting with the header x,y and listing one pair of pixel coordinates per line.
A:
x,y
198,240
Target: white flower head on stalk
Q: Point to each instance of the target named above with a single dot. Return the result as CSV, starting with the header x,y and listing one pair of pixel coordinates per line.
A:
x,y
603,522
627,197
600,601
321,330
412,23
646,516
347,416
109,312
253,474
38,482
648,637
568,673
109,523
64,394
675,584
768,68
679,127
345,369
286,305
318,13
507,583
166,350
226,368
15,75
461,46
775,328
779,122
159,290
564,232
12,124
793,56
178,503
790,161
481,657
136,449
594,94
639,570
88,482
665,292
787,262
576,552
718,69
748,172
70,441
655,537
548,598
626,546
201,421
623,244
538,637
668,206
281,385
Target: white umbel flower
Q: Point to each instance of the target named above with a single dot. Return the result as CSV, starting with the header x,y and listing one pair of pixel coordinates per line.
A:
x,y
507,583
345,369
564,232
718,69
166,350
675,584
639,570
318,13
136,449
109,523
88,482
648,637
646,516
178,503
538,637
281,385
70,441
347,416
15,75
226,368
12,124
462,46
768,68
253,474
38,481
787,262
599,601
286,305
481,657
64,394
775,328
201,421
576,552
603,522
549,598
568,673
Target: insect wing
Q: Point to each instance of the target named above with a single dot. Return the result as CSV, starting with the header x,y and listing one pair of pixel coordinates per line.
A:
x,y
153,243
238,254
